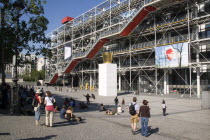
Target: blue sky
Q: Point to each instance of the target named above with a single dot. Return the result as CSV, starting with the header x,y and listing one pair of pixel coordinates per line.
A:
x,y
56,10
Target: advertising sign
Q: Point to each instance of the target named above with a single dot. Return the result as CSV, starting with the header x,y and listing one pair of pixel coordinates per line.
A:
x,y
172,56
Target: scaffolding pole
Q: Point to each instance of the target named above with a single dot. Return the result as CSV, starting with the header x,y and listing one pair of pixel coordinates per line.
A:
x,y
189,45
119,76
156,89
156,81
198,73
82,76
190,82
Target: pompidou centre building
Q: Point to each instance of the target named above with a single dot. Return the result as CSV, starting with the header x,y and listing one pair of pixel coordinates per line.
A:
x,y
159,46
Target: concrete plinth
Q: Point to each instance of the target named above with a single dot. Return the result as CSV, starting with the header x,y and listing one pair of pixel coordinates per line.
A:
x,y
206,99
108,79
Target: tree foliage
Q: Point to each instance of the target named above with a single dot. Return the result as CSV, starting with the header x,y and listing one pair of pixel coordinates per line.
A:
x,y
34,76
22,26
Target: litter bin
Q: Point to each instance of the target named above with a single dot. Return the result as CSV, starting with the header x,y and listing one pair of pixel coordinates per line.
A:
x,y
206,98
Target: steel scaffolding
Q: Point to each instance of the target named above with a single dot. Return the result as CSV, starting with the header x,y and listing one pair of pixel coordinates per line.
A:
x,y
133,30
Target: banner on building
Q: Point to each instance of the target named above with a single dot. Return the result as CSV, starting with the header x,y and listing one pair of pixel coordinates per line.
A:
x,y
172,56
67,52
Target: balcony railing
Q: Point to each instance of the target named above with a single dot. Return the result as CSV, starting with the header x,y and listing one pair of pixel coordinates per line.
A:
x,y
151,44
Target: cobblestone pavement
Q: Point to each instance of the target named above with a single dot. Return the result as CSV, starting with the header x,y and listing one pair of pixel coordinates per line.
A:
x,y
186,121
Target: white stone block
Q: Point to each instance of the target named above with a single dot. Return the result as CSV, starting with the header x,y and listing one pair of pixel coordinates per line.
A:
x,y
108,79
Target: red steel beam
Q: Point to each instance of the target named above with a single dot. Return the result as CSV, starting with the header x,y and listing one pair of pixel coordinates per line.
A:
x,y
54,79
97,47
71,66
137,20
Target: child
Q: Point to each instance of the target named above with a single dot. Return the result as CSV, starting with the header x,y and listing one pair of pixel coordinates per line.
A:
x,y
164,107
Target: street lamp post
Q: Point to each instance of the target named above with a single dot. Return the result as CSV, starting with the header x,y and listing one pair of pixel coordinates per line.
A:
x,y
15,105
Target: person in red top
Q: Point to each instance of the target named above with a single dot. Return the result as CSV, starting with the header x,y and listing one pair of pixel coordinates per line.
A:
x,y
37,109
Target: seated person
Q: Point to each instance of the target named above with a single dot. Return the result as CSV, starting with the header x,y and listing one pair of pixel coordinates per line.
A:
x,y
113,112
82,105
63,112
102,108
70,116
119,109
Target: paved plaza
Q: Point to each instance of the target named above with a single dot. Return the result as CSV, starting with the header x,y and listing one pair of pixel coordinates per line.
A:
x,y
186,120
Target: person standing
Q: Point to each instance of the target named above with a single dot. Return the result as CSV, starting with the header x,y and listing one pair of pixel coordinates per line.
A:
x,y
134,111
116,101
144,113
164,107
87,98
37,109
123,102
49,100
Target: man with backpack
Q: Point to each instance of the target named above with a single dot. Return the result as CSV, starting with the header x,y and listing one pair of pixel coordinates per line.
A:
x,y
134,111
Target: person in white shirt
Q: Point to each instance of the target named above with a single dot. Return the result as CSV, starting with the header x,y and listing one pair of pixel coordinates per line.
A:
x,y
164,107
119,109
49,101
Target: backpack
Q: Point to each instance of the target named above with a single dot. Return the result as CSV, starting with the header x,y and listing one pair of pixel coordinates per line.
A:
x,y
132,110
34,102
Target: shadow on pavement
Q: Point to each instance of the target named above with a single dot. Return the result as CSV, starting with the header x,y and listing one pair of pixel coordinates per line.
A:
x,y
66,123
4,134
150,130
124,93
41,138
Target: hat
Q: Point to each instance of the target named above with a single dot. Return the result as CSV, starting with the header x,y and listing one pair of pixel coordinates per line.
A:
x,y
38,91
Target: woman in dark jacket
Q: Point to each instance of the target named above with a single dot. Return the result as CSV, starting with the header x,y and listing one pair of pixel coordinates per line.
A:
x,y
37,109
144,113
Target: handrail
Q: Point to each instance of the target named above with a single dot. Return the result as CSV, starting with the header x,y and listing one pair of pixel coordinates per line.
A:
x,y
150,44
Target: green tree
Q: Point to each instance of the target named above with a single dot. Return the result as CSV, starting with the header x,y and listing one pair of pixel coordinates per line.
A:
x,y
34,76
22,25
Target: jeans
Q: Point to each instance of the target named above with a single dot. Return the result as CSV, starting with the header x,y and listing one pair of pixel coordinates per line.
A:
x,y
49,116
144,126
38,113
